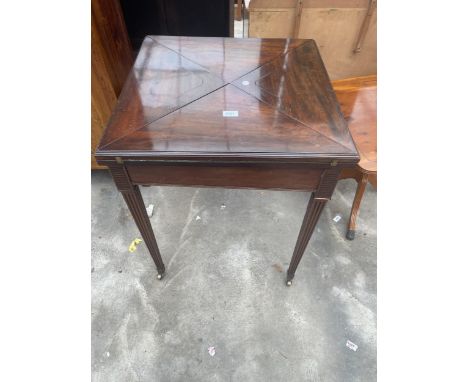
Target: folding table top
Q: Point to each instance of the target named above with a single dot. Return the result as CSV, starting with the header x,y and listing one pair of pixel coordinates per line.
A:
x,y
203,97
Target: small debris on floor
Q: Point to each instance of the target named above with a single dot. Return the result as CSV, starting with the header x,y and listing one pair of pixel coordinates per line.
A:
x,y
149,210
337,218
133,244
223,206
107,354
211,351
278,267
282,355
352,346
198,217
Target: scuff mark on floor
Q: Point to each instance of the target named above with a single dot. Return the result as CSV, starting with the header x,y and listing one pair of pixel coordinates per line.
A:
x,y
145,300
190,217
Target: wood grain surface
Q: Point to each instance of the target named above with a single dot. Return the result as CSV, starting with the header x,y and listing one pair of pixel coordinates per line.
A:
x,y
358,101
276,93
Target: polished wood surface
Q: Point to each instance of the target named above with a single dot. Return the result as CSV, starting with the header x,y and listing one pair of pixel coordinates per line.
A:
x,y
229,58
237,113
201,127
161,81
358,101
297,84
281,176
111,60
174,99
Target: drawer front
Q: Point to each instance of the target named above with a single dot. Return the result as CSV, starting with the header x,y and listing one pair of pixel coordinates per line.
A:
x,y
280,177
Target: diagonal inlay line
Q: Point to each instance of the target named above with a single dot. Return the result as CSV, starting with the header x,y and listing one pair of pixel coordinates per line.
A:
x,y
246,73
286,117
289,50
188,59
293,118
163,115
225,83
201,96
268,62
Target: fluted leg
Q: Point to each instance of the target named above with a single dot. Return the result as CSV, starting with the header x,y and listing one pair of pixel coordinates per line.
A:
x,y
316,203
136,205
314,209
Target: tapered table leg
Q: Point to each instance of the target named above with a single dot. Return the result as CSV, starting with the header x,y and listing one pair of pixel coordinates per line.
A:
x,y
314,209
355,209
136,205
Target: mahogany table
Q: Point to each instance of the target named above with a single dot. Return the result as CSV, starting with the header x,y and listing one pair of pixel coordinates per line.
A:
x,y
224,112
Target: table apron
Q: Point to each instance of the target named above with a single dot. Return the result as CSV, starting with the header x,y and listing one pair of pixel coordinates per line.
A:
x,y
257,176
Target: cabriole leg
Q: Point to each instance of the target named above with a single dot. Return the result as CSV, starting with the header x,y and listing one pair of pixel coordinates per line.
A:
x,y
355,209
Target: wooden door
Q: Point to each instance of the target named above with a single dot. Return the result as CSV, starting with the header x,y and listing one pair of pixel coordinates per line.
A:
x,y
111,60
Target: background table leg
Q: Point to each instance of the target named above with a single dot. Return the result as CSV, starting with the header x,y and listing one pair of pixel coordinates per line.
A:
x,y
355,209
136,205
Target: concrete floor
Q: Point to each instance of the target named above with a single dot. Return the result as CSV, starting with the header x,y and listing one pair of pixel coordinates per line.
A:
x,y
225,287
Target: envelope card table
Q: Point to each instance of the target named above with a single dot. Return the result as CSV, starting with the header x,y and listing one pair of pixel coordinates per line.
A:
x,y
225,112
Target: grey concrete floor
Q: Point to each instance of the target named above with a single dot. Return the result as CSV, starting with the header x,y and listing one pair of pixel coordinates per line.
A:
x,y
225,287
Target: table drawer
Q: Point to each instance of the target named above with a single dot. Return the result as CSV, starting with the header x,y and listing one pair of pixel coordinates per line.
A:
x,y
281,177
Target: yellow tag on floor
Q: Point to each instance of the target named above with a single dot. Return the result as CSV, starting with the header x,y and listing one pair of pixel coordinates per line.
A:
x,y
133,244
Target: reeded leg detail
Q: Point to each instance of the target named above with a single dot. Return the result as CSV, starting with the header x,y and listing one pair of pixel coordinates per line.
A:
x,y
136,205
314,209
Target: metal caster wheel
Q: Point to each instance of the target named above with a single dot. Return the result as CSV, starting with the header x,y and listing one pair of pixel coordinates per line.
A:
x,y
160,276
289,283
